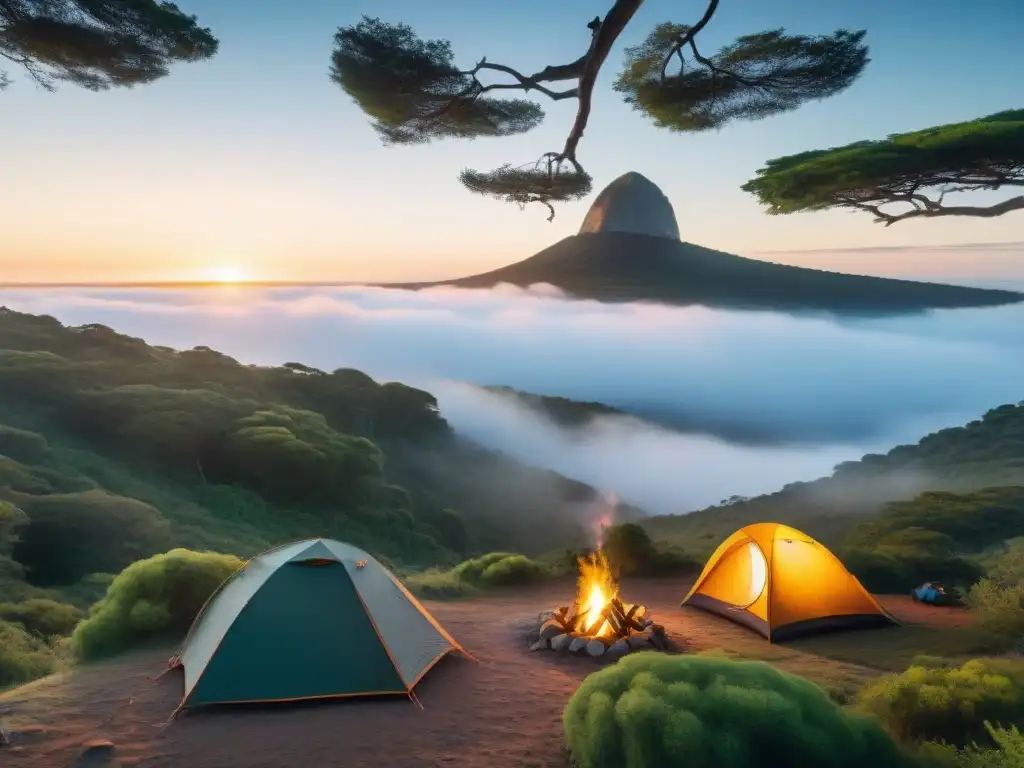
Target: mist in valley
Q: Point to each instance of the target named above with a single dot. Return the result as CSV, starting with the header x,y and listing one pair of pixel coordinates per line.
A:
x,y
767,399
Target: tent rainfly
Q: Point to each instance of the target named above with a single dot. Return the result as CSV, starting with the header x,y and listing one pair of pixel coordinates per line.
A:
x,y
782,584
315,619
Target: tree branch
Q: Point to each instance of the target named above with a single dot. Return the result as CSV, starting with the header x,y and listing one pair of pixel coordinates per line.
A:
x,y
691,33
933,209
605,35
525,83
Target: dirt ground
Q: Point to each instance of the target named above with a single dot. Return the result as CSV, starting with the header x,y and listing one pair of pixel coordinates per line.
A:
x,y
503,710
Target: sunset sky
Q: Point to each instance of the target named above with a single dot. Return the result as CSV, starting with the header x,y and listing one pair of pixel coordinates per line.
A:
x,y
256,166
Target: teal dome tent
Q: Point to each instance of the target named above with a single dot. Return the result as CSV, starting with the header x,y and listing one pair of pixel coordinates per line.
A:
x,y
314,619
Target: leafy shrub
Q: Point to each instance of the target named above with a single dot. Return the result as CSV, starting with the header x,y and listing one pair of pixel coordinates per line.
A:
x,y
153,598
1000,615
438,584
22,445
629,549
71,535
471,570
947,704
649,710
890,570
511,571
1008,753
23,656
42,617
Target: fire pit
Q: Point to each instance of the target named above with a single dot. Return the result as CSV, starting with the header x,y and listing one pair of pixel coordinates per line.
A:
x,y
598,622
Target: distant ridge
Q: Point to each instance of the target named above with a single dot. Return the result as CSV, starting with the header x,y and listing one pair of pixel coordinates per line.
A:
x,y
628,249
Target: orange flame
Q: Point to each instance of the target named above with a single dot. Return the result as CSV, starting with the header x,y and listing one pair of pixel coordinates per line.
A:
x,y
594,590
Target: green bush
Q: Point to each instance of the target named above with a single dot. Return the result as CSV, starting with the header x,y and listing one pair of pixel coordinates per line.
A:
x,y
515,570
471,570
23,656
889,570
947,704
71,535
999,625
153,598
650,710
22,445
438,584
42,617
629,549
1008,753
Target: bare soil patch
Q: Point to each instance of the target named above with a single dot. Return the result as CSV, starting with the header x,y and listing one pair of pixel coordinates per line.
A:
x,y
503,711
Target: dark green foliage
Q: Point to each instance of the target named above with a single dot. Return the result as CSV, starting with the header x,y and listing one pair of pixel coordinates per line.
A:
x,y
42,616
947,704
631,552
981,464
542,183
986,153
69,536
23,655
154,598
413,91
561,410
1008,752
755,77
294,454
99,44
512,571
23,445
471,570
650,710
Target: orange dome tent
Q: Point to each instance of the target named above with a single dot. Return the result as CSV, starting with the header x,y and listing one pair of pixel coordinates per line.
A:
x,y
782,583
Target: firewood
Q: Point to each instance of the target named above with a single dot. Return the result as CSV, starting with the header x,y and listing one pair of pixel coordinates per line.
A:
x,y
608,614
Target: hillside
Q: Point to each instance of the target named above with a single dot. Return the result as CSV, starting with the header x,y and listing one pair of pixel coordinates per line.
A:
x,y
106,438
986,453
626,266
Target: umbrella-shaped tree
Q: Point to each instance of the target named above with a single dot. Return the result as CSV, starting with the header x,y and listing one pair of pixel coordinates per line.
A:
x,y
414,93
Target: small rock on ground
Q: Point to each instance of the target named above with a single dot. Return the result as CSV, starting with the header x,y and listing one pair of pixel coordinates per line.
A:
x,y
577,644
596,648
540,645
561,642
96,753
620,646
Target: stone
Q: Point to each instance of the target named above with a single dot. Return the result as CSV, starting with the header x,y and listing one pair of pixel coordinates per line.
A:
x,y
5,740
540,645
632,203
577,644
658,638
596,648
95,753
549,629
619,647
561,642
636,642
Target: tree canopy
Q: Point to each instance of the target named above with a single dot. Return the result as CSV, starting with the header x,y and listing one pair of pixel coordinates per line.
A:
x,y
414,93
99,44
914,171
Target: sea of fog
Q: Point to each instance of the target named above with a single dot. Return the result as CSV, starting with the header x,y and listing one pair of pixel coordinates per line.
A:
x,y
825,390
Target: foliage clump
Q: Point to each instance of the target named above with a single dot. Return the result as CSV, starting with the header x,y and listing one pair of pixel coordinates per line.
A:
x,y
1008,752
99,44
24,656
914,170
631,552
412,90
42,616
650,710
755,77
155,598
500,569
947,704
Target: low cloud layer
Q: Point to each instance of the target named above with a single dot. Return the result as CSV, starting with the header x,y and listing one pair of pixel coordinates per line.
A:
x,y
826,390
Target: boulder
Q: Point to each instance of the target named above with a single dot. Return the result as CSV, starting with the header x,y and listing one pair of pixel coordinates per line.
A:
x,y
619,647
561,642
638,641
632,203
577,644
549,629
596,648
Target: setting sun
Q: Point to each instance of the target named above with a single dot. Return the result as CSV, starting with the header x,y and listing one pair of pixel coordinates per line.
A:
x,y
225,275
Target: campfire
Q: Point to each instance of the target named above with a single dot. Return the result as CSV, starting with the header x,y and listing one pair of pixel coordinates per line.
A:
x,y
598,622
